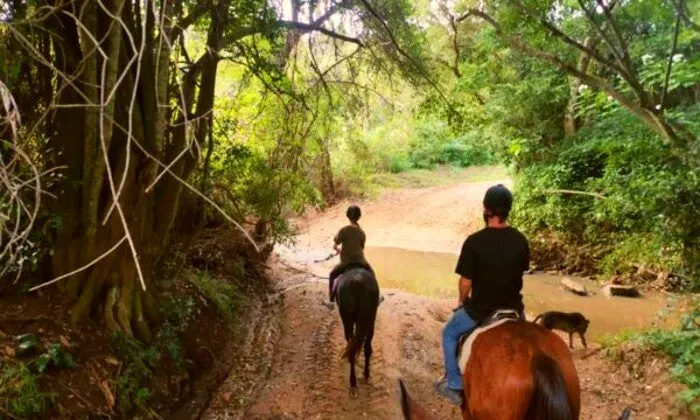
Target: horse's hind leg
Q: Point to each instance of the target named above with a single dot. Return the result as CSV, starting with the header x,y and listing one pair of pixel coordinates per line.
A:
x,y
348,324
368,351
353,378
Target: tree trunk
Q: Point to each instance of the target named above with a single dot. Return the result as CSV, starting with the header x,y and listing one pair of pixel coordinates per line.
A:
x,y
146,213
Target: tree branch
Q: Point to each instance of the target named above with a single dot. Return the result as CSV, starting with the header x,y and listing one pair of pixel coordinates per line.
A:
x,y
178,28
654,121
410,59
310,27
680,7
616,31
624,71
670,61
601,32
330,12
455,45
564,37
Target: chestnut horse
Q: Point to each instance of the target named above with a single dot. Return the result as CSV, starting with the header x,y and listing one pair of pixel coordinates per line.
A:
x,y
357,294
517,370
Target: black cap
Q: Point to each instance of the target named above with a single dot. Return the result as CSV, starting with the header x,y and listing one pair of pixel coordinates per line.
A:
x,y
498,200
354,213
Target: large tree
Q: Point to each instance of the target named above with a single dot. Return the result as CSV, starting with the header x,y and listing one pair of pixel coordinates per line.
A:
x,y
125,107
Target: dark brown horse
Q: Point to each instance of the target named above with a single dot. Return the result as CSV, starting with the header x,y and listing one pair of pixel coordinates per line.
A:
x,y
517,370
357,294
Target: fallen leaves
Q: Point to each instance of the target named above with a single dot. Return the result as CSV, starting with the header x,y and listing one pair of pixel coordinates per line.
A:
x,y
107,392
9,351
64,341
111,360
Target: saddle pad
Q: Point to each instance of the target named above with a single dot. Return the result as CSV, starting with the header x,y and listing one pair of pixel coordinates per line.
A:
x,y
466,350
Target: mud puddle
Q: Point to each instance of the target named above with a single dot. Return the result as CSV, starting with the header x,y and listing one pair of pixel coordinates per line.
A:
x,y
432,274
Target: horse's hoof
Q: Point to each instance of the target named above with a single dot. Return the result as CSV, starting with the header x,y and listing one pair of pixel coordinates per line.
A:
x,y
354,392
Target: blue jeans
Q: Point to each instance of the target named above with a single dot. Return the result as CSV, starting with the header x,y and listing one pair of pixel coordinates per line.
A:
x,y
457,326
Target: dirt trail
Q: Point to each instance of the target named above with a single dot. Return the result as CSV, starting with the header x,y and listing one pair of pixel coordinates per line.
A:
x,y
295,371
433,219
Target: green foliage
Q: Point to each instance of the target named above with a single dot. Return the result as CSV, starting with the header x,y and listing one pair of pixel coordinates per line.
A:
x,y
133,382
223,294
177,313
643,206
683,347
19,391
433,149
54,356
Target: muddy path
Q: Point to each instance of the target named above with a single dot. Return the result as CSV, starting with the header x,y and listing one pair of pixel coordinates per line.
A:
x,y
291,367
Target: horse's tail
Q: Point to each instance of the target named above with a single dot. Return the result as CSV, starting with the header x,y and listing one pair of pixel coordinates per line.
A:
x,y
549,398
365,322
534,321
405,401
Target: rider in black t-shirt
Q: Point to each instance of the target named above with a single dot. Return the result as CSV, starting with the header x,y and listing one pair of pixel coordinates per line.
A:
x,y
490,267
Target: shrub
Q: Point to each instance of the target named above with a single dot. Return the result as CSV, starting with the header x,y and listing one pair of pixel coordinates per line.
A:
x,y
224,295
636,200
19,391
683,347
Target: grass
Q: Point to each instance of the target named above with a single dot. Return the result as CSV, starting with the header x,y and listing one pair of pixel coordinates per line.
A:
x,y
445,175
19,391
683,347
610,341
224,295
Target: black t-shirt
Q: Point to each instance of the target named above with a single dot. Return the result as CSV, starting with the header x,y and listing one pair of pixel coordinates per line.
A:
x,y
494,259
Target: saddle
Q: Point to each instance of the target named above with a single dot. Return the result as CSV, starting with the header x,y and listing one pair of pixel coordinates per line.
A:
x,y
467,341
345,269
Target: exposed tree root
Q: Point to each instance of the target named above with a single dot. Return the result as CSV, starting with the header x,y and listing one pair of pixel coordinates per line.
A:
x,y
110,302
142,328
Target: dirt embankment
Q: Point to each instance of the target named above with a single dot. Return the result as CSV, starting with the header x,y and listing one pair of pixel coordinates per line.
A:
x,y
296,371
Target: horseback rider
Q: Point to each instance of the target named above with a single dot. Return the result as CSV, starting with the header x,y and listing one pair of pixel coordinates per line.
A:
x,y
490,267
350,244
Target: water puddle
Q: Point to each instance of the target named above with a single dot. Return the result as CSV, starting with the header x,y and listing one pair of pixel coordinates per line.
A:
x,y
432,274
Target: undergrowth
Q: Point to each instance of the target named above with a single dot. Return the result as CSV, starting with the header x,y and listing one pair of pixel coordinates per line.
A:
x,y
222,294
135,381
683,347
20,395
616,190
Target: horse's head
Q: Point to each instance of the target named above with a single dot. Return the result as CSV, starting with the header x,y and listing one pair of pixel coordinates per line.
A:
x,y
411,410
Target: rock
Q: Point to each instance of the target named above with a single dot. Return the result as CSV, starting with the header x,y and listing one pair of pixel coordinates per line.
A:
x,y
574,287
618,290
